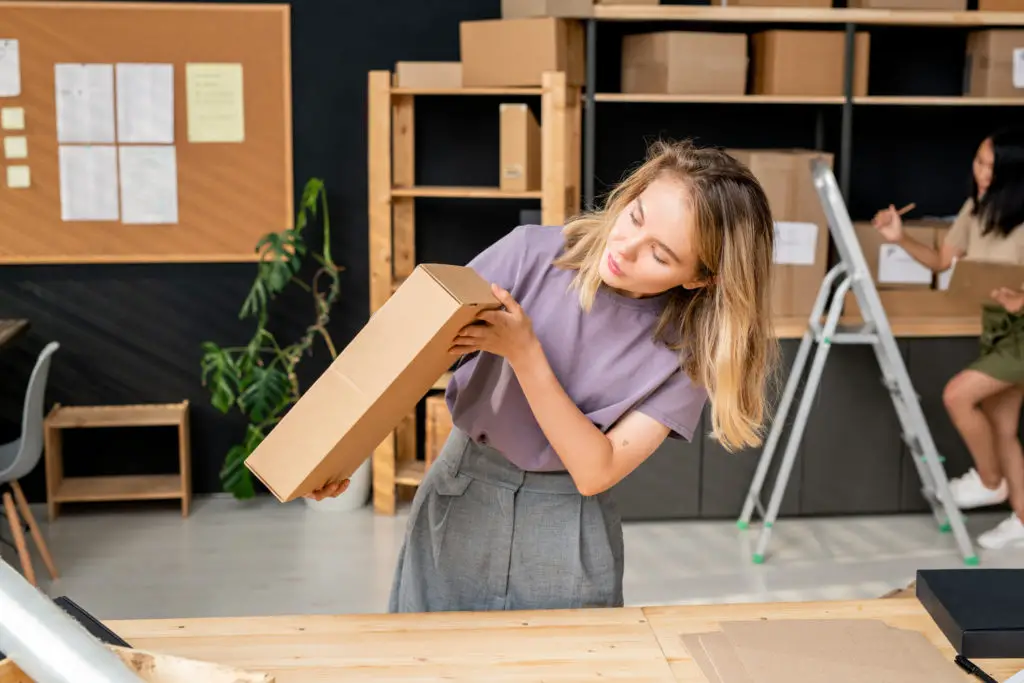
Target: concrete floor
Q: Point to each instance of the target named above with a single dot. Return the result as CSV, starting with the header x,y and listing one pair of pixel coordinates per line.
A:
x,y
232,559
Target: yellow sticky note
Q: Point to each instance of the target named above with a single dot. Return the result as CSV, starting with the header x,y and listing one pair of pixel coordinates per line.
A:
x,y
18,177
12,118
215,102
15,147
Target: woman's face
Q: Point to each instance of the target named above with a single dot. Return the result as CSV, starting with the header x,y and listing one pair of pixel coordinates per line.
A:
x,y
652,245
984,159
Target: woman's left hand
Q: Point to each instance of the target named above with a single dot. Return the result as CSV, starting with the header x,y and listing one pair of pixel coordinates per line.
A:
x,y
507,333
1011,300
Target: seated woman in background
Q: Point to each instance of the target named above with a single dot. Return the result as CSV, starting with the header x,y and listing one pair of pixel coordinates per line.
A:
x,y
984,400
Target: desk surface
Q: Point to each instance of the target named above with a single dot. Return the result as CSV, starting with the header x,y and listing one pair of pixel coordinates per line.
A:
x,y
630,644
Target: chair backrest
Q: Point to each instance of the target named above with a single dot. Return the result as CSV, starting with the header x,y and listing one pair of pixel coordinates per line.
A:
x,y
32,415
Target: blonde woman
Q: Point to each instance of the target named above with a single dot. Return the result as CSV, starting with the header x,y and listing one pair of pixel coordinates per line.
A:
x,y
614,332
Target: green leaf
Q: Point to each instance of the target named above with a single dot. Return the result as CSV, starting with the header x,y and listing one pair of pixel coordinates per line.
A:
x,y
235,477
220,373
264,392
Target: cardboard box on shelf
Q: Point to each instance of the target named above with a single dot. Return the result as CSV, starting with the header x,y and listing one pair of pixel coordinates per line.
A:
x,y
517,52
685,63
373,384
915,304
808,63
569,9
428,74
520,148
995,64
801,229
1001,5
890,265
950,5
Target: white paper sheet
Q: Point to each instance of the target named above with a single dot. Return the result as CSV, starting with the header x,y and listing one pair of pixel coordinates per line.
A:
x,y
15,147
10,68
796,244
18,177
88,183
215,99
897,267
85,103
1018,67
149,185
12,118
145,103
945,276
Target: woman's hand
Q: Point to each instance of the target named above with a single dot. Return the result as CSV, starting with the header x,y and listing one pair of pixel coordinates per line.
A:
x,y
889,224
507,333
331,490
1010,299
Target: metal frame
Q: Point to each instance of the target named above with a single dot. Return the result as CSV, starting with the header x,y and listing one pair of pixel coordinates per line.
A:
x,y
876,332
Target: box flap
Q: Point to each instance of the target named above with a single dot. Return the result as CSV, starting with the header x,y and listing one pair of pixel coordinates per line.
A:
x,y
464,284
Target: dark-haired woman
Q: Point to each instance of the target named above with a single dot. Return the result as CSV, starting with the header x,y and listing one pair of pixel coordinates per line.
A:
x,y
984,400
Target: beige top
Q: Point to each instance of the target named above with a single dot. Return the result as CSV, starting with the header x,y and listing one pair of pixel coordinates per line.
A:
x,y
965,235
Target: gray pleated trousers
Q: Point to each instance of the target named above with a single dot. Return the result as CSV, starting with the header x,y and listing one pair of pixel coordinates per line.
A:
x,y
486,535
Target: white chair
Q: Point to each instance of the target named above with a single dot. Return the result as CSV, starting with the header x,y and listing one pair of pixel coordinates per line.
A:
x,y
20,457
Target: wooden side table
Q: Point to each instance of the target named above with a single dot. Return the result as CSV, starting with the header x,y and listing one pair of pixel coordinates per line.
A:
x,y
61,489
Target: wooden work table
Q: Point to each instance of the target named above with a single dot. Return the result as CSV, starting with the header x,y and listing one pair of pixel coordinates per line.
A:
x,y
629,644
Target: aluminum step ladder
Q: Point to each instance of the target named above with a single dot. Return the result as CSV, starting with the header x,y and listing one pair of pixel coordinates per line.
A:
x,y
852,274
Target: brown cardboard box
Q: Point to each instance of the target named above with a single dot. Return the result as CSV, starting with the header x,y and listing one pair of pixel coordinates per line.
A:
x,y
1001,5
373,384
801,229
520,148
517,52
951,5
915,304
995,63
685,63
428,74
809,63
522,9
973,281
889,264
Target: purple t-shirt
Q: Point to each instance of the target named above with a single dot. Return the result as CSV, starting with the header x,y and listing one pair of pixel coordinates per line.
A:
x,y
606,359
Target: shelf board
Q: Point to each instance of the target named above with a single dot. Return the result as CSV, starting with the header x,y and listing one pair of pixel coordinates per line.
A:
x,y
133,487
806,15
936,101
716,99
466,192
467,91
410,473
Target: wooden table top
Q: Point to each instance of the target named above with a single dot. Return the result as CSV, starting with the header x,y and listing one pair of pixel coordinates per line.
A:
x,y
641,645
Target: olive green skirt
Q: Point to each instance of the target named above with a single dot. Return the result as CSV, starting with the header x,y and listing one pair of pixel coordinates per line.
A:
x,y
1002,345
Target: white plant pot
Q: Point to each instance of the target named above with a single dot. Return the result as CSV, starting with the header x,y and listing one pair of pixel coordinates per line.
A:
x,y
357,495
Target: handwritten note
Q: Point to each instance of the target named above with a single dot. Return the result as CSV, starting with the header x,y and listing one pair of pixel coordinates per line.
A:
x,y
796,244
10,68
85,103
215,102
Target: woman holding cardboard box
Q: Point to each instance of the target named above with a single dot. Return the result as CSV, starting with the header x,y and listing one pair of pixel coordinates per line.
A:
x,y
614,332
984,400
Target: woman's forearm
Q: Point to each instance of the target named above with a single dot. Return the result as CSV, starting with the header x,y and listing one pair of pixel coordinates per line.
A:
x,y
583,448
927,256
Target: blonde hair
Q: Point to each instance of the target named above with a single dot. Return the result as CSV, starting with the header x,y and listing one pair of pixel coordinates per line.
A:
x,y
723,330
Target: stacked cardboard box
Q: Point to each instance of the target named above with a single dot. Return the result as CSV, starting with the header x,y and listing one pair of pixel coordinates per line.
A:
x,y
685,63
995,64
517,52
520,169
801,229
573,9
950,5
809,63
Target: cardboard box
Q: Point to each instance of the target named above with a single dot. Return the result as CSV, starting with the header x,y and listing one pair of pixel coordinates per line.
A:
x,y
808,63
685,63
801,228
951,5
569,9
1001,5
890,265
995,64
972,280
428,74
373,384
520,148
916,304
980,611
517,52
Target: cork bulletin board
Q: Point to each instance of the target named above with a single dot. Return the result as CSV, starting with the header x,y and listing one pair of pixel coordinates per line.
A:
x,y
143,132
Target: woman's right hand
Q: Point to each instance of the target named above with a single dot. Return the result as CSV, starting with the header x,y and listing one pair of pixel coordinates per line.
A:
x,y
331,490
889,224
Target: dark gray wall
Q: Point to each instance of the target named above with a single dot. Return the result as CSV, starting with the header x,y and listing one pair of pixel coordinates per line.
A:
x,y
133,333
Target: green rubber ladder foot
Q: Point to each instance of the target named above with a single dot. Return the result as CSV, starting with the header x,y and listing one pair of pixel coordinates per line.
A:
x,y
758,558
971,561
768,525
742,525
945,528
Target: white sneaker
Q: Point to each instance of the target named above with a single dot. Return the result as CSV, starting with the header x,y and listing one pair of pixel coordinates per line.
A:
x,y
969,491
1009,532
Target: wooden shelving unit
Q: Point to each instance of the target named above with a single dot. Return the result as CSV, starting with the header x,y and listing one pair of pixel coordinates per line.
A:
x,y
806,15
392,195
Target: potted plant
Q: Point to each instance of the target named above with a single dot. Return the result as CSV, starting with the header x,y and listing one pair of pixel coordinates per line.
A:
x,y
259,379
